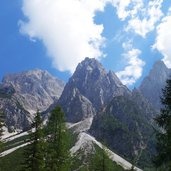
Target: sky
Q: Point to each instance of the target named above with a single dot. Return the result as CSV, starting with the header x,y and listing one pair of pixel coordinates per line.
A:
x,y
126,36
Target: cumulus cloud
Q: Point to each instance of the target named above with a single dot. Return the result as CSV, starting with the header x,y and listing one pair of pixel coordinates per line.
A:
x,y
66,28
133,71
143,18
127,8
163,40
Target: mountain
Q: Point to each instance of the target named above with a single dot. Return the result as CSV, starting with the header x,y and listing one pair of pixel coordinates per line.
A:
x,y
35,89
152,85
89,90
98,103
16,116
125,125
22,94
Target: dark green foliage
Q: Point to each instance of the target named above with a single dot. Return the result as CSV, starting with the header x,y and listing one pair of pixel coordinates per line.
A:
x,y
15,142
12,162
35,152
100,162
95,160
58,142
124,128
163,157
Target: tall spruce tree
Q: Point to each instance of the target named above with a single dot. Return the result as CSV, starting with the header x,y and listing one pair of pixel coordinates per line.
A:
x,y
101,162
34,153
58,155
163,136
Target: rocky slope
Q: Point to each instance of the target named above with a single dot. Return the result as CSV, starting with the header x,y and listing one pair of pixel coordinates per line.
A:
x,y
22,94
152,85
94,101
89,90
35,89
121,118
15,115
124,126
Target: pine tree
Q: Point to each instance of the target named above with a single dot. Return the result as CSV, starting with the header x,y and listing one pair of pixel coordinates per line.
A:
x,y
101,162
58,155
163,136
34,153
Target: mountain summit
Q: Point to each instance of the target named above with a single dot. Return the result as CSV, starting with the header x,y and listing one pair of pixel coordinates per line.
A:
x,y
91,87
35,89
152,85
22,94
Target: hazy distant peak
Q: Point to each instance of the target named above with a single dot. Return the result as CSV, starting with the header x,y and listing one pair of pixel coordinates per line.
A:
x,y
159,65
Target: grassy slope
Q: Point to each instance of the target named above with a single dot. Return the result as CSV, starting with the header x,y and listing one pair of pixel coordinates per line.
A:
x,y
12,161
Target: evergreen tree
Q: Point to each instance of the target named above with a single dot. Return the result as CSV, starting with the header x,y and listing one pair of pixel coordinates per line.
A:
x,y
163,136
101,162
34,153
58,155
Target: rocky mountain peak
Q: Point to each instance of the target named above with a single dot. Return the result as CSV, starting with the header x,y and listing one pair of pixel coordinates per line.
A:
x,y
35,89
114,79
159,71
152,85
90,64
94,84
159,65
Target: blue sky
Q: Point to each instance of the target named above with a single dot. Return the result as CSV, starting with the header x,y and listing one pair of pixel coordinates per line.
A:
x,y
126,36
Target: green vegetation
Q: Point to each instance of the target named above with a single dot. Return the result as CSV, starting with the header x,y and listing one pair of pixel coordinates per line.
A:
x,y
9,162
34,154
100,162
49,150
163,157
14,143
58,142
13,161
124,123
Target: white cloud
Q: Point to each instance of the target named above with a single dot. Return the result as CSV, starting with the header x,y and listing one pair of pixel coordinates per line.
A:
x,y
127,8
127,45
133,71
163,40
121,6
143,18
66,28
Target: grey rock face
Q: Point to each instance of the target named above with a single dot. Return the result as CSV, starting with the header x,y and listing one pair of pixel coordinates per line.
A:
x,y
22,94
16,117
77,105
35,89
92,88
149,111
153,84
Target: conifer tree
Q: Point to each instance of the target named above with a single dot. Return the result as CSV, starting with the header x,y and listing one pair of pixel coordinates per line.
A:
x,y
163,136
34,153
58,155
101,161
